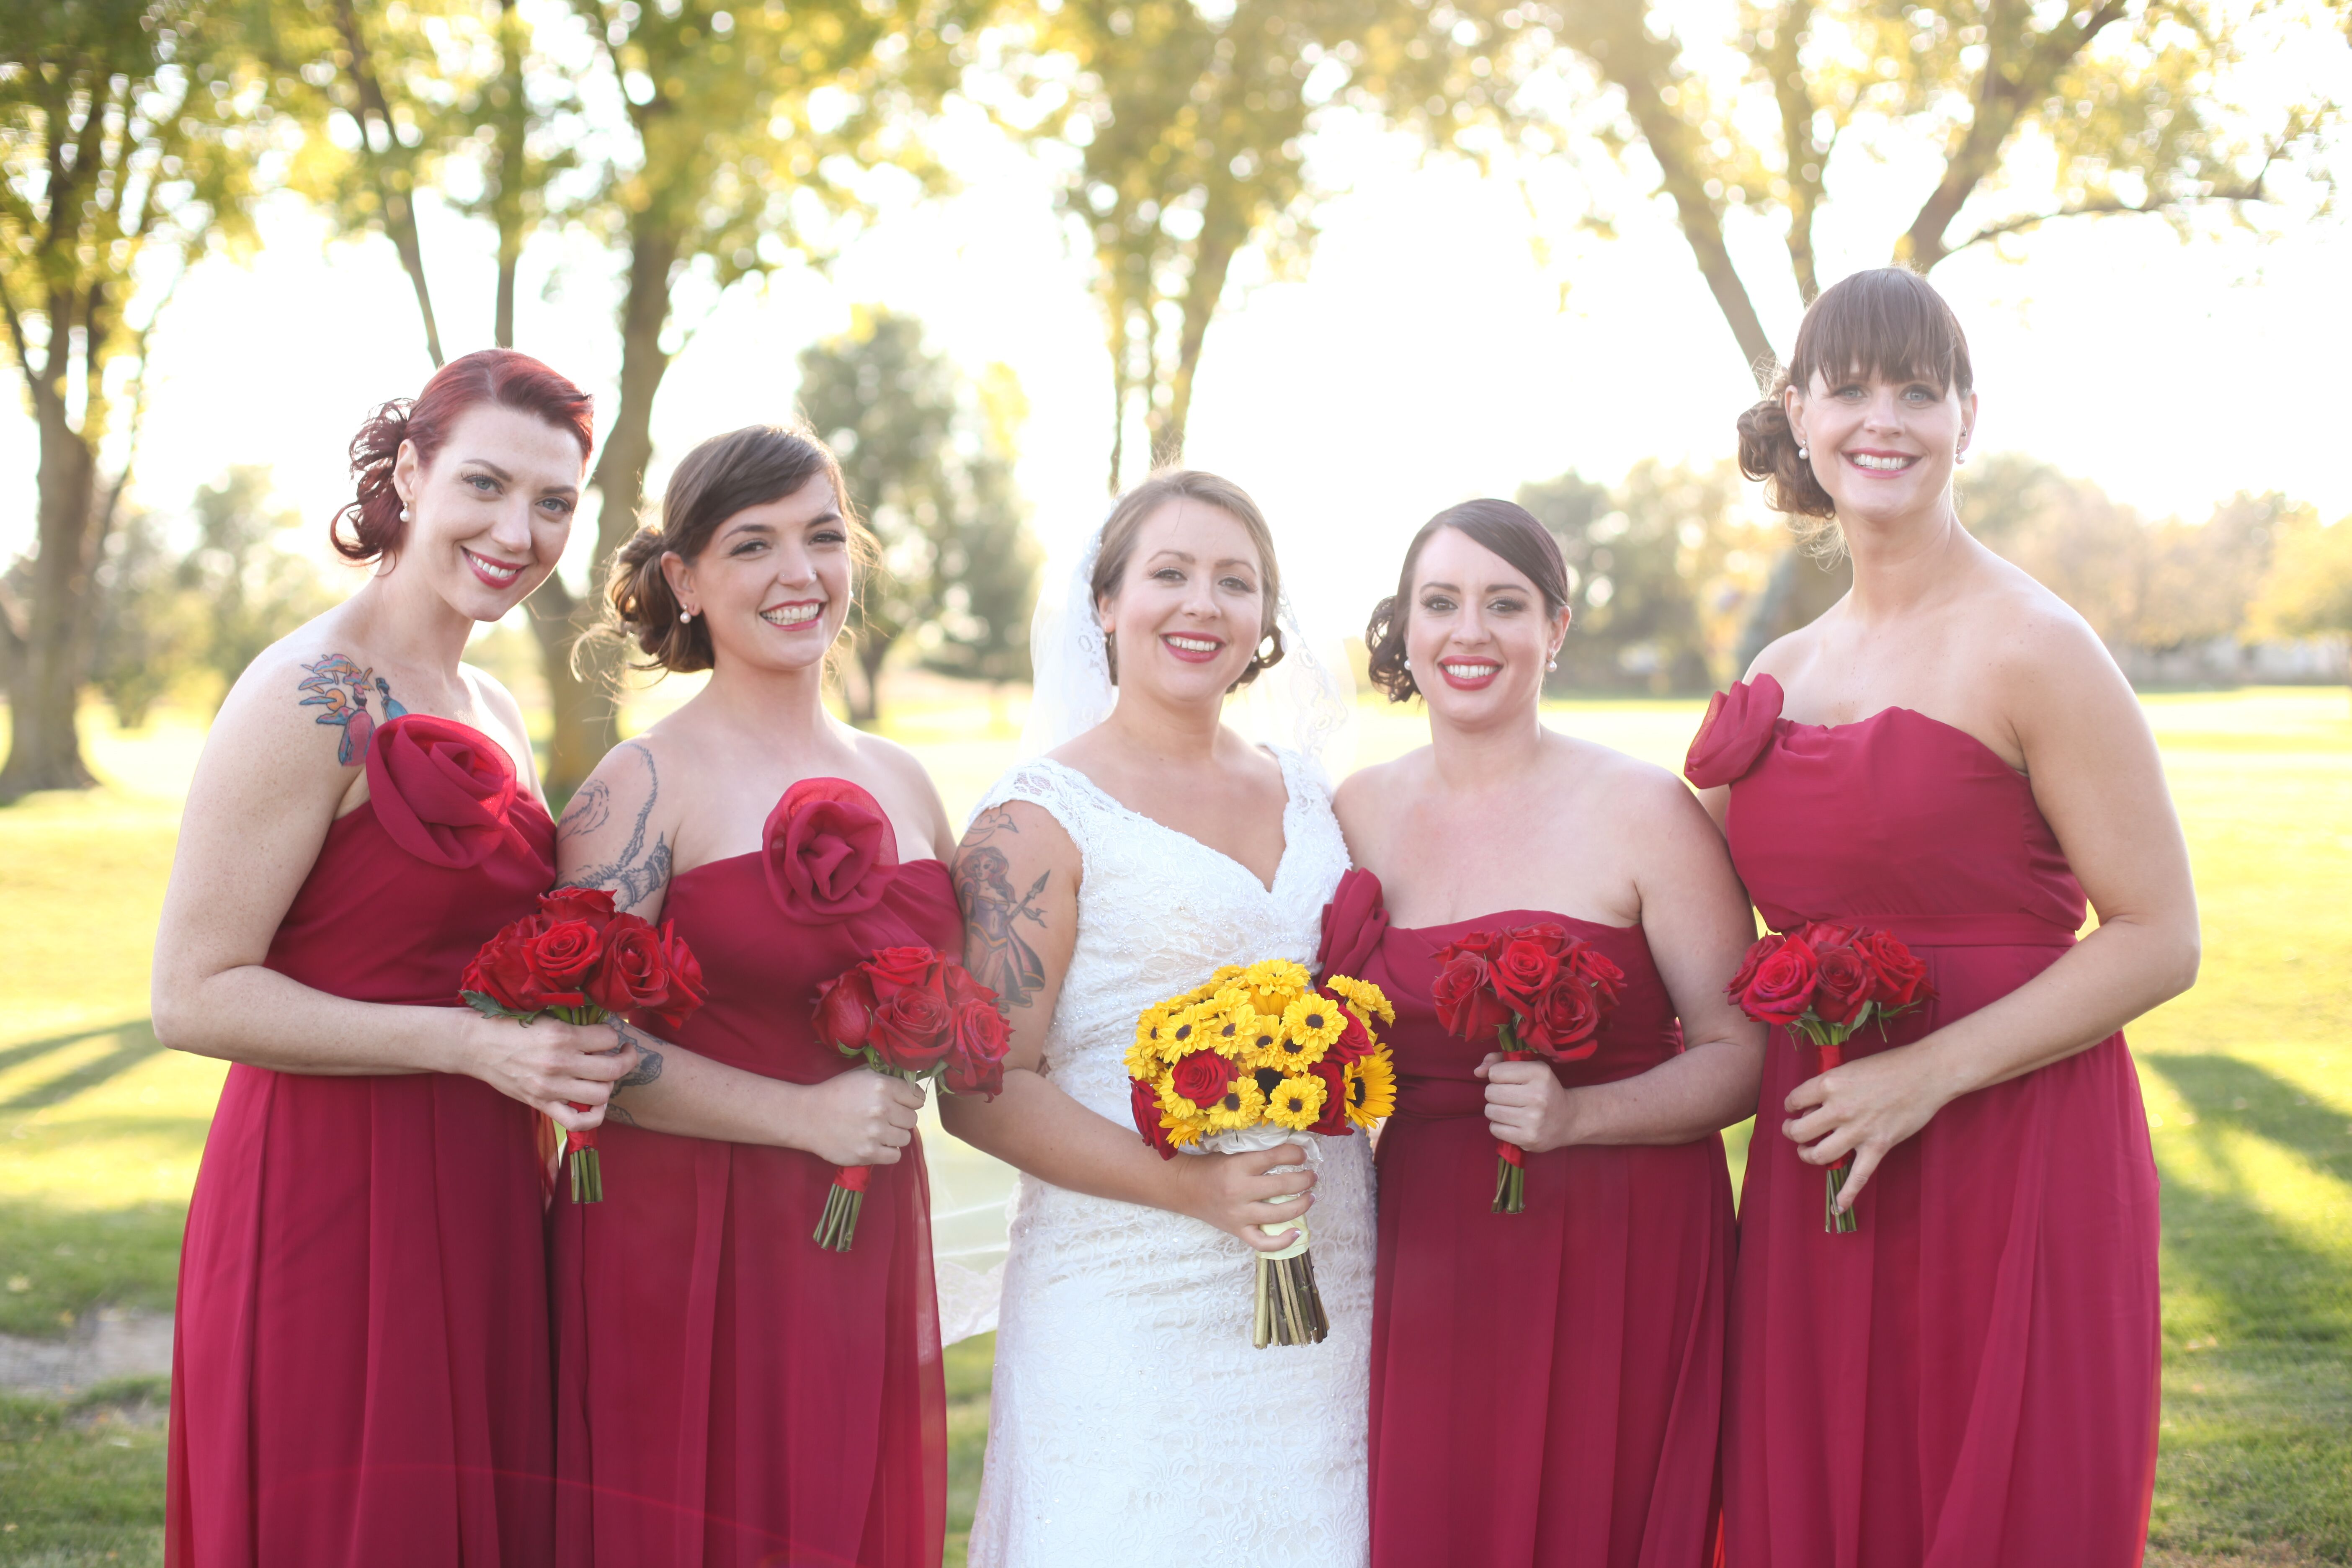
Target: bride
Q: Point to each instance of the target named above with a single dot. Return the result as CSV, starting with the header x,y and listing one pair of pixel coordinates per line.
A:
x,y
1132,1422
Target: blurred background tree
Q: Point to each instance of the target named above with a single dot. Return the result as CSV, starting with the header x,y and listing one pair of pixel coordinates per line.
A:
x,y
2309,592
1657,569
187,622
1178,128
128,139
928,459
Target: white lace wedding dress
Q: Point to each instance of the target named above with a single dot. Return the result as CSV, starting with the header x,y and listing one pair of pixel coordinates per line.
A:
x,y
1133,1424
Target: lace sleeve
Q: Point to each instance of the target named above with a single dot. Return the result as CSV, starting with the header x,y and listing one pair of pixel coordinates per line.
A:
x,y
1061,794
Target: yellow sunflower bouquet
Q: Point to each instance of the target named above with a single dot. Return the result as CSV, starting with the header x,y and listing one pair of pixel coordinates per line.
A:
x,y
1255,1056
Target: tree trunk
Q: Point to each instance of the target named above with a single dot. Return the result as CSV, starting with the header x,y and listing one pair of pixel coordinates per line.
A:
x,y
45,743
387,171
871,651
509,155
1799,590
1221,235
586,722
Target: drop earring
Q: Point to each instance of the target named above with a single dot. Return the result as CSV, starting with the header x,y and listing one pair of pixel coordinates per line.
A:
x,y
1804,453
1552,663
405,516
685,616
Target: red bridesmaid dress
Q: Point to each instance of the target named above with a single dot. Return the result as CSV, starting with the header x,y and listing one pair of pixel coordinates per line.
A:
x,y
728,1393
1971,1379
360,1361
1546,1387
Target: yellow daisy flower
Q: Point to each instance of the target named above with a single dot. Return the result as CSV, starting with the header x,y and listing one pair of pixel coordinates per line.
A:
x,y
1313,1021
1277,974
1185,1032
1297,1102
1261,1046
1231,1029
1372,1089
1363,995
1243,1106
1186,1130
1225,974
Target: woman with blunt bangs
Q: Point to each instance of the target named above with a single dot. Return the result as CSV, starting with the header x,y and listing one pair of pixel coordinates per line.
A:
x,y
1968,1377
1546,1384
360,1358
729,1392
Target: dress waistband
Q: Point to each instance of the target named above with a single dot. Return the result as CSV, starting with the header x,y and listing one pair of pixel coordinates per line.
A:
x,y
2001,929
1449,1098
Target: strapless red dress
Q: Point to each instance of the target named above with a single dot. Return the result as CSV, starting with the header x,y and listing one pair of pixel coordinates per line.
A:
x,y
360,1369
1968,1381
729,1393
1546,1387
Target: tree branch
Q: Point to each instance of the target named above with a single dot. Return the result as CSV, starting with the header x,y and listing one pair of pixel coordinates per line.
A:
x,y
396,194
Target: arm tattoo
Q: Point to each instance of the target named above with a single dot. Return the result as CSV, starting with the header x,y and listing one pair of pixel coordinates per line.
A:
x,y
340,686
636,873
649,1060
998,954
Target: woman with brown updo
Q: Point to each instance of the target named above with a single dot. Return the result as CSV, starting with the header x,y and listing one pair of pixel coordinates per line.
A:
x,y
729,1392
1546,1384
1968,1378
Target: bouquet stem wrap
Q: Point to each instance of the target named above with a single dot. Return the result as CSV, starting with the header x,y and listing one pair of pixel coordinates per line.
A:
x,y
1289,1308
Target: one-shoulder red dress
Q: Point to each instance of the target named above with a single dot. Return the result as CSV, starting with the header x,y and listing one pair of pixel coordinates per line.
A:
x,y
1546,1385
360,1361
1970,1380
727,1392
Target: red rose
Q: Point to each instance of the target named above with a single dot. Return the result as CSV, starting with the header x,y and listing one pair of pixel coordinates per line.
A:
x,y
979,1040
1783,987
1333,1122
1763,947
1900,977
1485,943
960,987
1355,1042
501,970
845,1011
897,969
912,1030
1822,935
1566,1024
1466,1005
1523,970
1144,1102
632,976
1599,972
1203,1077
1845,987
686,993
594,905
561,957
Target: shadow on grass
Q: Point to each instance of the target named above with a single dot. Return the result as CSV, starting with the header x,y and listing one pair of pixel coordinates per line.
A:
x,y
2257,1442
134,1043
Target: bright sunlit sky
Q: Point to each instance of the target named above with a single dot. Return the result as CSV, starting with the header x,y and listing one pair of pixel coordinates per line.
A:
x,y
1427,355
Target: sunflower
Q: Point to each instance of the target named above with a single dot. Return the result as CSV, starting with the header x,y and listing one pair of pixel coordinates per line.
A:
x,y
1243,1106
1297,1102
1276,974
1261,1046
1184,1130
1372,1089
1365,997
1225,975
1184,1030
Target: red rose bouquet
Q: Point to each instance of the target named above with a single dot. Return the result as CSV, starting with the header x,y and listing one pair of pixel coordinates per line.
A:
x,y
1824,981
913,1014
1250,1059
579,960
1538,994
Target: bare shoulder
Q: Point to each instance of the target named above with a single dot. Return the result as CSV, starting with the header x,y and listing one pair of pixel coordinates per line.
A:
x,y
1643,798
615,829
1016,832
905,770
505,718
1786,655
1368,800
310,700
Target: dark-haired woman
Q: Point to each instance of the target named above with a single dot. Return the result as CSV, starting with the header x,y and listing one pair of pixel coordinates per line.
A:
x,y
360,1371
1948,755
727,1392
1546,1385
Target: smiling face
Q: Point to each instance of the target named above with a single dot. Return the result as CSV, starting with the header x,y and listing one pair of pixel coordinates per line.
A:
x,y
773,584
1478,635
490,515
1191,607
1883,450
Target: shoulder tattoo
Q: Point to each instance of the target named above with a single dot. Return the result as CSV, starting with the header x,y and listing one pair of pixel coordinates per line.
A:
x,y
342,687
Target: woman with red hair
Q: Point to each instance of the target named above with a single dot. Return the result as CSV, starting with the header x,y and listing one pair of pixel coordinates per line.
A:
x,y
360,1364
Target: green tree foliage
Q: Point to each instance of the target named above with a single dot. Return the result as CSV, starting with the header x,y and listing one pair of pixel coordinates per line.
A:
x,y
171,621
2309,591
928,459
1658,571
1183,129
128,132
743,135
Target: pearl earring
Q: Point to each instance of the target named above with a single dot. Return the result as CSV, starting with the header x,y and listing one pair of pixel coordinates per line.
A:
x,y
684,617
1801,451
1552,663
404,515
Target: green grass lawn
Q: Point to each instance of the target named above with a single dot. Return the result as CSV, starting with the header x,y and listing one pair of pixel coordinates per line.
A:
x,y
2248,1079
